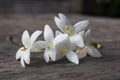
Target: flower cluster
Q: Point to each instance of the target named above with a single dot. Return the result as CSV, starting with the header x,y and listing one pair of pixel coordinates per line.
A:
x,y
72,41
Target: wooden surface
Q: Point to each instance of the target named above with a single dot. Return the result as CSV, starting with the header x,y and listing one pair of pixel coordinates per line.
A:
x,y
105,30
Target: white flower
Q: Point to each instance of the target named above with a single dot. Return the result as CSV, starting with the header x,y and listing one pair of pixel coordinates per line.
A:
x,y
24,52
64,48
66,27
50,43
82,52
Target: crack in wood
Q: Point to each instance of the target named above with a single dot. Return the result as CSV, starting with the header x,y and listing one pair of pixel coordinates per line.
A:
x,y
10,38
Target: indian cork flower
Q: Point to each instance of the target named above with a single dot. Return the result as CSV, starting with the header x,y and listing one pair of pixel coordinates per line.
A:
x,y
24,52
72,30
88,49
65,49
50,43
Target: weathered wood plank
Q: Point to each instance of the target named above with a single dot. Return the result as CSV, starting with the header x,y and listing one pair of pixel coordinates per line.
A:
x,y
105,30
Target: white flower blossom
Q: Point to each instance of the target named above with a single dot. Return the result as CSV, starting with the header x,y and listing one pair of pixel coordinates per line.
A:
x,y
72,42
65,48
50,43
88,49
24,52
66,27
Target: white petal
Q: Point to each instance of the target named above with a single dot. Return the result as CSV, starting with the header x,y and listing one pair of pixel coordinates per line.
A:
x,y
64,19
61,25
46,56
82,25
71,56
57,33
26,39
34,36
18,54
60,38
87,36
48,33
77,40
93,52
66,22
22,62
82,33
81,53
52,53
62,45
26,56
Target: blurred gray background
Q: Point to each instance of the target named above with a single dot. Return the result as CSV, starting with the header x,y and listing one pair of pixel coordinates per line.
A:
x,y
89,7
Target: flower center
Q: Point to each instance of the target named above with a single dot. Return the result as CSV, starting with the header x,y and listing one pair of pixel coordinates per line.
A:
x,y
63,50
23,49
49,46
68,30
